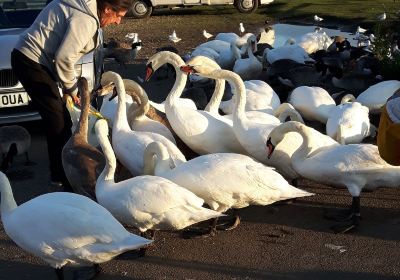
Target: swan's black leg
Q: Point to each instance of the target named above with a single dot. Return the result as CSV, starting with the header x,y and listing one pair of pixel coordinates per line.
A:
x,y
87,273
28,161
354,220
59,273
151,235
8,159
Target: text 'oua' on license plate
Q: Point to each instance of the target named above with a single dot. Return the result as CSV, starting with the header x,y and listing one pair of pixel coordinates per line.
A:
x,y
13,99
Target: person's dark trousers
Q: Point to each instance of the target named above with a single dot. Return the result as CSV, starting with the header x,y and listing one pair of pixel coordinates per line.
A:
x,y
42,88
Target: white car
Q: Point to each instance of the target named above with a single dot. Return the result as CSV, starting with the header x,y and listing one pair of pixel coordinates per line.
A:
x,y
144,8
15,104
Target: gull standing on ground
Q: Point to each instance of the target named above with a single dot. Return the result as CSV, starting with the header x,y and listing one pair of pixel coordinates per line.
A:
x,y
382,17
241,28
206,34
174,38
317,18
361,30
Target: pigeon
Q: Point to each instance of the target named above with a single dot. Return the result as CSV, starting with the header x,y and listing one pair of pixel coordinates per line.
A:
x,y
241,28
206,34
317,18
174,38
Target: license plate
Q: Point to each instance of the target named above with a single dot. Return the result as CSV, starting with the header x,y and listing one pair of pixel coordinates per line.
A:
x,y
14,99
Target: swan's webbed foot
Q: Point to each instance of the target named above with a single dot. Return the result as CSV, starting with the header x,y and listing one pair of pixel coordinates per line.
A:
x,y
87,273
198,232
230,224
338,215
348,226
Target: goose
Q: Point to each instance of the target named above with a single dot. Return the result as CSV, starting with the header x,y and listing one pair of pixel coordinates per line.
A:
x,y
129,145
313,103
376,96
90,237
203,132
250,67
14,140
137,118
250,134
355,166
81,161
146,202
349,123
223,180
123,52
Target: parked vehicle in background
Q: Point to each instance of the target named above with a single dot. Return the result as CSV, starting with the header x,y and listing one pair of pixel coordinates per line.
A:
x,y
144,8
15,18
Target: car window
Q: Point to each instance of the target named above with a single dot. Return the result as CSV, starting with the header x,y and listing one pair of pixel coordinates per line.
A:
x,y
14,14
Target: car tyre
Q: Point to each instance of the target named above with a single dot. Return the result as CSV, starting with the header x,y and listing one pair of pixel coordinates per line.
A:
x,y
246,6
140,9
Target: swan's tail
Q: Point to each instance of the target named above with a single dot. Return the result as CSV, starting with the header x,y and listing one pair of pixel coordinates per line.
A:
x,y
294,192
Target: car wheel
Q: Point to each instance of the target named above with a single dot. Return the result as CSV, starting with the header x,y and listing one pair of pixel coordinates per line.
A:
x,y
246,6
140,8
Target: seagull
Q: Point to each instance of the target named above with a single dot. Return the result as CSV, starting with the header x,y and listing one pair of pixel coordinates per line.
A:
x,y
136,42
174,38
382,17
317,18
241,28
206,34
361,30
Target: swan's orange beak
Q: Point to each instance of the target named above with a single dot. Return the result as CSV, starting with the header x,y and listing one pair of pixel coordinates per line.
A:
x,y
187,69
149,72
270,148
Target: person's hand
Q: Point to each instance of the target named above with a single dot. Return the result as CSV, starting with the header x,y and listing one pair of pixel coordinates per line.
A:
x,y
77,100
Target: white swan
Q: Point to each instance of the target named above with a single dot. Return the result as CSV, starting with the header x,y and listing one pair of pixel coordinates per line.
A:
x,y
249,68
223,180
64,228
349,123
203,132
146,202
253,136
109,107
355,166
137,118
313,103
259,97
314,41
376,96
292,51
129,145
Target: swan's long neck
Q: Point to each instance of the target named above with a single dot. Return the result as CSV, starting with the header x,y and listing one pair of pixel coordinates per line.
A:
x,y
156,159
7,198
139,112
292,114
111,162
82,127
180,81
121,119
216,98
306,148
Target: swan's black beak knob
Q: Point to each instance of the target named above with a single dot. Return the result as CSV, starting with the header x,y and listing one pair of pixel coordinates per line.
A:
x,y
270,148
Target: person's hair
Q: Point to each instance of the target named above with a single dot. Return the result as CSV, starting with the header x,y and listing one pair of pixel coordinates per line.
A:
x,y
116,5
